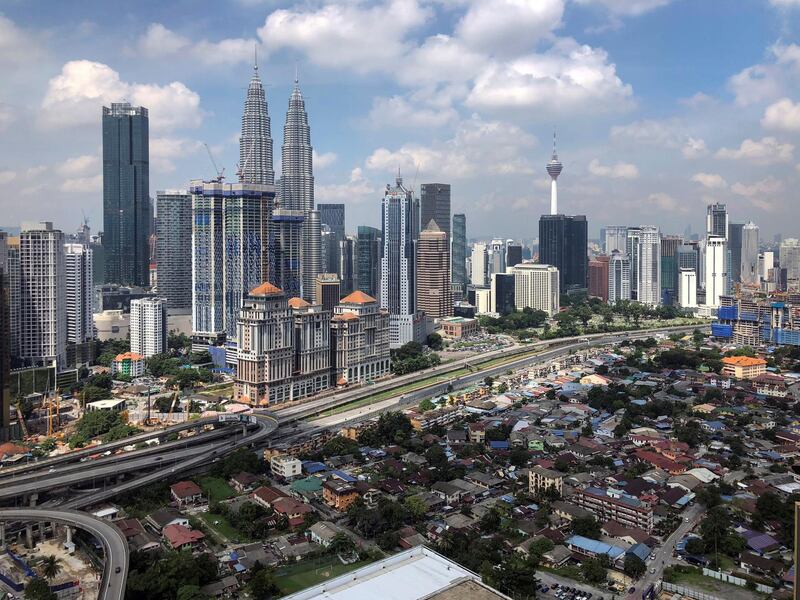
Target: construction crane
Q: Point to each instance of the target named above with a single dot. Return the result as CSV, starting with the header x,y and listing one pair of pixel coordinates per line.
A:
x,y
220,174
50,415
242,167
168,419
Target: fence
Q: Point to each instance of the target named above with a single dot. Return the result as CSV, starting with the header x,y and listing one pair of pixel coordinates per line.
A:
x,y
741,582
688,592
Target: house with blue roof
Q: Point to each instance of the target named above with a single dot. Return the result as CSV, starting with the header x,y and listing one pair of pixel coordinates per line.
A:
x,y
640,551
592,548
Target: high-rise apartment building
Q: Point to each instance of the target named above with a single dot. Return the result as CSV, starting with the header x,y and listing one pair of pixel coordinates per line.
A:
x,y
669,268
296,187
255,143
615,237
43,319
789,258
327,290
434,294
359,340
173,246
536,286
285,251
687,288
735,251
5,341
400,218
368,259
435,206
126,194
78,292
644,252
716,275
13,272
148,326
619,277
749,255
311,348
458,249
598,277
563,243
479,264
331,216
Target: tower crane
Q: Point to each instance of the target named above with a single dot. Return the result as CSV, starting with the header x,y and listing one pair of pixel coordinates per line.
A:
x,y
220,174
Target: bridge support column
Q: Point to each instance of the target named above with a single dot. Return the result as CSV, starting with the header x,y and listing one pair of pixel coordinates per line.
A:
x,y
32,499
69,535
244,430
29,535
2,535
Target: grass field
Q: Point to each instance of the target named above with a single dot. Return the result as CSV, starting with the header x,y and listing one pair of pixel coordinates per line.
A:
x,y
299,576
713,586
216,489
219,524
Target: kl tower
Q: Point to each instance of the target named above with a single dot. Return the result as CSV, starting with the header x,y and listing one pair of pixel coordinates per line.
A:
x,y
554,168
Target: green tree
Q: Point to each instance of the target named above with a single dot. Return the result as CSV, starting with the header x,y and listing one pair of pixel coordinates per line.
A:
x,y
263,586
341,544
634,566
593,570
434,341
587,527
38,589
190,592
695,546
51,567
426,405
416,507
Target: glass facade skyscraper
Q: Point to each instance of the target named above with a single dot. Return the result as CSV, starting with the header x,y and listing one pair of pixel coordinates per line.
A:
x,y
435,206
458,250
173,245
368,260
126,194
563,243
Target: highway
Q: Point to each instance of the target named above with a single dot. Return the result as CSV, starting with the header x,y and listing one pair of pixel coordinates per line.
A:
x,y
115,546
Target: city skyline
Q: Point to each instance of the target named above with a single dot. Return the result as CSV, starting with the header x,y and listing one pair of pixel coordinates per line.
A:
x,y
656,149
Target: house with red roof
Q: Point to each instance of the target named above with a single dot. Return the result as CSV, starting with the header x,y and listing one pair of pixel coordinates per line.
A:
x,y
186,492
180,537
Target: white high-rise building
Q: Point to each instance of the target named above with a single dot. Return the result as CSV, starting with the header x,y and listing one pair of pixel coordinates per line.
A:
x,y
616,238
716,276
767,263
79,292
43,318
644,252
619,277
790,260
717,221
148,326
750,274
479,265
687,288
536,286
497,257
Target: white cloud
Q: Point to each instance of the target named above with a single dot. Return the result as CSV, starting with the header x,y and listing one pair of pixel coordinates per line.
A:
x,y
620,170
79,165
165,150
357,189
767,81
568,77
441,58
665,202
785,3
16,46
7,177
508,27
668,134
761,194
323,160
158,42
347,35
93,183
398,112
694,148
76,95
709,180
698,101
767,150
6,116
626,7
783,115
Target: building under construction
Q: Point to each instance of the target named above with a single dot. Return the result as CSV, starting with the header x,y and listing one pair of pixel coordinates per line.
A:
x,y
752,321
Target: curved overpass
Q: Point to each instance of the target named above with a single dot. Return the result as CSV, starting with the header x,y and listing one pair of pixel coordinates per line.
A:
x,y
115,546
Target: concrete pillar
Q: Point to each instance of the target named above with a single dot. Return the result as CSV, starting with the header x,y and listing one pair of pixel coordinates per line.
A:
x,y
32,500
69,534
29,536
244,429
2,535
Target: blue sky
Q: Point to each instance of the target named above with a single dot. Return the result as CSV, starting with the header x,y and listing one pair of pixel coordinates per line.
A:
x,y
661,106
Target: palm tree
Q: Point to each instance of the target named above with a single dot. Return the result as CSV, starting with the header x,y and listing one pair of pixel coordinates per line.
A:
x,y
51,567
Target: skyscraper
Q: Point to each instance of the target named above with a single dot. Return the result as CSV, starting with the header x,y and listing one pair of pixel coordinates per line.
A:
x,y
735,251
126,194
789,259
644,252
174,244
458,249
503,293
434,294
687,288
749,255
497,257
285,251
400,218
347,264
255,143
615,238
43,325
563,243
435,206
619,277
368,260
554,168
480,265
296,187
332,217
598,277
536,286
717,221
79,293
513,255
327,290
716,276
669,268
148,326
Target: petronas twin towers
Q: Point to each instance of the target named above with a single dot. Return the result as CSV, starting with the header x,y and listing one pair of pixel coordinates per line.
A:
x,y
294,189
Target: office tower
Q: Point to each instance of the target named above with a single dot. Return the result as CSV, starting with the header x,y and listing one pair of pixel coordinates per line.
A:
x,y
43,319
716,276
400,218
789,259
231,225
13,272
126,199
149,326
735,251
369,244
458,249
327,287
749,255
513,255
687,288
482,300
5,341
435,206
359,340
554,168
255,143
79,293
717,221
503,293
688,256
173,246
331,216
312,348
296,187
598,277
479,265
329,250
285,251
669,268
563,243
265,359
347,265
619,277
434,295
644,252
615,238
767,264
536,286
497,257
